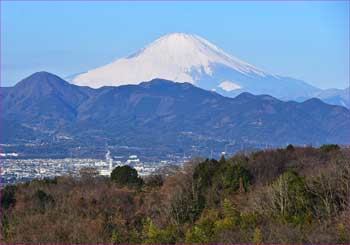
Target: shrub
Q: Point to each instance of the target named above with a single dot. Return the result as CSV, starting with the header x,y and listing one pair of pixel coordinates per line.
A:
x,y
329,147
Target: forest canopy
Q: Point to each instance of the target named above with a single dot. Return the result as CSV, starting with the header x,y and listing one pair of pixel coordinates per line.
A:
x,y
291,195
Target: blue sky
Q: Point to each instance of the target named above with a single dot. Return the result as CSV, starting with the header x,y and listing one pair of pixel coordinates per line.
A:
x,y
305,40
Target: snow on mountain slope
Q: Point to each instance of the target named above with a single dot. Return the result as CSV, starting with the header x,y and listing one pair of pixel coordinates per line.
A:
x,y
170,57
229,86
189,58
336,96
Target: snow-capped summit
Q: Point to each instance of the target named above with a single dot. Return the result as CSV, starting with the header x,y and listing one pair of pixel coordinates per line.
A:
x,y
184,57
174,57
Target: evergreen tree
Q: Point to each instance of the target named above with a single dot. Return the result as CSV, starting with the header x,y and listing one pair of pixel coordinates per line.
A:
x,y
126,176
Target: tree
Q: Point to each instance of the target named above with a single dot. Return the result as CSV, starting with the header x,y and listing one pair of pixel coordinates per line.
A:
x,y
342,234
229,209
155,235
257,236
8,196
290,198
203,232
230,219
290,147
233,177
329,147
330,190
180,195
155,180
126,176
222,159
42,199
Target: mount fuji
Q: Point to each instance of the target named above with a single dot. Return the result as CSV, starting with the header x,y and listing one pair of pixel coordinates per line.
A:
x,y
189,58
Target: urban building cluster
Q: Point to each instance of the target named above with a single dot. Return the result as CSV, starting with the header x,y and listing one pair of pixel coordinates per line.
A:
x,y
15,170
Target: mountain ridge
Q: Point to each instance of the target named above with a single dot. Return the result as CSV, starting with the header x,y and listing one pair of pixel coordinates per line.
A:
x,y
162,112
